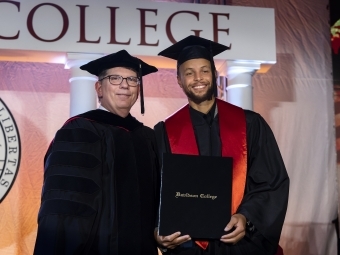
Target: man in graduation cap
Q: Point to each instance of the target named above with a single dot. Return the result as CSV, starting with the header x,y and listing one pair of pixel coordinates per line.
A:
x,y
211,127
100,182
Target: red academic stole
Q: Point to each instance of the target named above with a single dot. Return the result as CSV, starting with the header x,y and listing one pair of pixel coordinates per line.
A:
x,y
232,125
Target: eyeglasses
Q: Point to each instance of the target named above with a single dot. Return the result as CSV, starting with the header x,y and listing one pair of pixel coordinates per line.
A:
x,y
117,80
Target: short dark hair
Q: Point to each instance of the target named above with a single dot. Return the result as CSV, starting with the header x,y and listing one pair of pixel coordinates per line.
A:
x,y
102,74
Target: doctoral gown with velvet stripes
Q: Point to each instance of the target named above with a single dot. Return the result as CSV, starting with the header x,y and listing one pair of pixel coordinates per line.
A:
x,y
267,184
100,190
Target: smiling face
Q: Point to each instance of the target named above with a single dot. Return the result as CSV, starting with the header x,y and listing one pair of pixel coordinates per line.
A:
x,y
195,78
118,99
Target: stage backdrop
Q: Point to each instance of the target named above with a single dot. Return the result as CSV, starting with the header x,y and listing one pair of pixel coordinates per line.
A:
x,y
335,43
295,97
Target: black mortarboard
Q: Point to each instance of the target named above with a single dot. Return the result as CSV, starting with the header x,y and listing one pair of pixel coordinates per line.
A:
x,y
193,47
121,59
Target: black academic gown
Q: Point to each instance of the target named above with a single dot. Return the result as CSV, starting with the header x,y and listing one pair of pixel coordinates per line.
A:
x,y
267,184
100,191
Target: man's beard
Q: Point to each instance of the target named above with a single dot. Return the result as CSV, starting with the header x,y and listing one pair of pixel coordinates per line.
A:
x,y
199,99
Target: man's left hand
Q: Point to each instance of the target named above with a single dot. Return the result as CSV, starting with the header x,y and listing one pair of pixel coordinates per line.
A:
x,y
237,221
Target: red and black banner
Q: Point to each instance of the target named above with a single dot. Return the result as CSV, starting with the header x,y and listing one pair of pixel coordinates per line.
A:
x,y
335,39
334,7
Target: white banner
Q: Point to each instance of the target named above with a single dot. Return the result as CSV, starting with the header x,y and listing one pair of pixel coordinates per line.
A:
x,y
142,28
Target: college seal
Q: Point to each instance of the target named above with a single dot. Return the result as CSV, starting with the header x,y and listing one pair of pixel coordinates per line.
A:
x,y
9,150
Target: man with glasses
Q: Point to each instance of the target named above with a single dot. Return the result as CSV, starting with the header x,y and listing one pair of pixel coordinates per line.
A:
x,y
100,181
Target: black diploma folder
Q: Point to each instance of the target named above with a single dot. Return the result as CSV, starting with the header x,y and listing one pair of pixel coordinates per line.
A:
x,y
195,195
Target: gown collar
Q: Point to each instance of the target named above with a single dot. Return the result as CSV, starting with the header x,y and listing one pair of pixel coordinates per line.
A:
x,y
103,116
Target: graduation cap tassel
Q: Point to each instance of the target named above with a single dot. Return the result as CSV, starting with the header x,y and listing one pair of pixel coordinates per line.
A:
x,y
142,110
214,82
213,70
